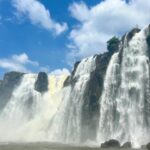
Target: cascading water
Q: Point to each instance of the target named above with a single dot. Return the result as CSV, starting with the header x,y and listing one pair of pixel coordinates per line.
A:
x,y
107,102
28,112
17,111
66,125
125,102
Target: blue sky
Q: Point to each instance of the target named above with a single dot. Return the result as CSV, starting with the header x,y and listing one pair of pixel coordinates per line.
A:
x,y
50,35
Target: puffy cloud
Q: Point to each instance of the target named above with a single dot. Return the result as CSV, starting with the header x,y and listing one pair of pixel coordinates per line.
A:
x,y
24,59
102,21
60,72
45,69
17,63
38,15
79,11
22,63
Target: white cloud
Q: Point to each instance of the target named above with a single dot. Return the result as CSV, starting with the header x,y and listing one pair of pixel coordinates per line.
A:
x,y
99,23
38,15
60,72
79,11
22,63
17,63
45,69
24,59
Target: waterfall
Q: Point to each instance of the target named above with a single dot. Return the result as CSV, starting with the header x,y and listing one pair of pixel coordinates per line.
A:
x,y
19,109
125,101
50,108
66,124
27,114
107,102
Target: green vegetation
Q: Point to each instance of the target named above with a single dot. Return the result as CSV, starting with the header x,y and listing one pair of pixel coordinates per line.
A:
x,y
113,44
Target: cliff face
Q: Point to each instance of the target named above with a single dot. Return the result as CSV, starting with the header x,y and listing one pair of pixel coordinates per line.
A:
x,y
9,82
90,110
92,93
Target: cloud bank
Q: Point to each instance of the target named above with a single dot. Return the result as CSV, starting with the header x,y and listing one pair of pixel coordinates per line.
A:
x,y
99,23
36,12
17,63
58,72
22,63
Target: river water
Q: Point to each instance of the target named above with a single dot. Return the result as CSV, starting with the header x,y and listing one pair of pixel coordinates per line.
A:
x,y
49,146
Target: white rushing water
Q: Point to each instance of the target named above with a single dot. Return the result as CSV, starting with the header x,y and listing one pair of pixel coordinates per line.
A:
x,y
107,101
66,125
27,114
125,102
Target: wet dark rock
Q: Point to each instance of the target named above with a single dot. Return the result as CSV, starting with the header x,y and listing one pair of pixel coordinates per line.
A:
x,y
1,82
90,110
111,144
93,91
7,85
41,84
75,67
67,81
148,146
127,145
148,39
132,33
11,78
71,80
123,43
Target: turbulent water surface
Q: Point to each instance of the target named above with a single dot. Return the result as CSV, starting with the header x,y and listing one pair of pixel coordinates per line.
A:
x,y
47,146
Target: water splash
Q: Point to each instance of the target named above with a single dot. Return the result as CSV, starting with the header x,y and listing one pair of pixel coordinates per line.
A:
x,y
27,114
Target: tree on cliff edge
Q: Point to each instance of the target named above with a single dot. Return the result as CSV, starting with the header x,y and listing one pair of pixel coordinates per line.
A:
x,y
113,44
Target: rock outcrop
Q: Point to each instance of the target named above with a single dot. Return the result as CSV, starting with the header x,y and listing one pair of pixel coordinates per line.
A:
x,y
127,145
131,34
41,84
70,79
111,144
7,85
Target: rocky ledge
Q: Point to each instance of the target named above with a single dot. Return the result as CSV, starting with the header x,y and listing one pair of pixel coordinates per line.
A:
x,y
41,84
